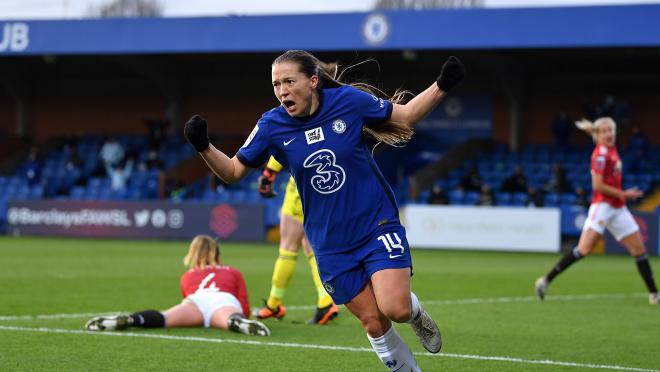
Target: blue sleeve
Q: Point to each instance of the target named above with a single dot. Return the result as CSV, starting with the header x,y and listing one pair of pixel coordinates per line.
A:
x,y
370,107
255,151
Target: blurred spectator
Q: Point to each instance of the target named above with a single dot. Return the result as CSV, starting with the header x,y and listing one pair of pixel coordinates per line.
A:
x,y
214,183
153,160
120,174
639,144
156,130
471,181
637,149
70,144
179,191
438,196
619,110
608,107
557,183
517,182
561,129
581,198
74,166
73,162
112,152
31,169
486,196
534,198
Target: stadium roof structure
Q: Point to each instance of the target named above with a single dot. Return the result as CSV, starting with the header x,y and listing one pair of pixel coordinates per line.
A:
x,y
569,27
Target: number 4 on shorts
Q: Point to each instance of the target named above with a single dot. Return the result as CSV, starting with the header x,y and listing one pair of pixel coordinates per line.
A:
x,y
390,243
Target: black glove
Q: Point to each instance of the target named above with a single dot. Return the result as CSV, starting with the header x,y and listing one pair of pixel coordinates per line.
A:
x,y
451,74
196,132
266,181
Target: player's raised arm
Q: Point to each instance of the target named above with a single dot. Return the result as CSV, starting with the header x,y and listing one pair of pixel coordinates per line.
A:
x,y
230,170
417,108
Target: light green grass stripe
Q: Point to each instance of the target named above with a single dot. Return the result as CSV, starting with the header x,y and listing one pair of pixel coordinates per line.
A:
x,y
460,301
324,347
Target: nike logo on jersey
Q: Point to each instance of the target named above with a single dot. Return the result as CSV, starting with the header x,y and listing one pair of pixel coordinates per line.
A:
x,y
286,143
396,256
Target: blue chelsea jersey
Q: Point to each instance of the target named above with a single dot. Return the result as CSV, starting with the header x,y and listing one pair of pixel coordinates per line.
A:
x,y
345,197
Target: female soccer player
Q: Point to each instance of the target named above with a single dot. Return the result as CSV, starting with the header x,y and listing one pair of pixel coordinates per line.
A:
x,y
607,210
351,217
292,237
214,295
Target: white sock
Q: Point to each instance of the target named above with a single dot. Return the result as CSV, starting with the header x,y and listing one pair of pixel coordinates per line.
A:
x,y
393,352
416,307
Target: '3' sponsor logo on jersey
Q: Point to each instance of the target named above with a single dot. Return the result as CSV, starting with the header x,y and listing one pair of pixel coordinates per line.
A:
x,y
329,176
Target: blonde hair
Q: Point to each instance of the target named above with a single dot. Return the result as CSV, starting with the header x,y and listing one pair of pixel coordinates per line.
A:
x,y
329,76
203,252
593,128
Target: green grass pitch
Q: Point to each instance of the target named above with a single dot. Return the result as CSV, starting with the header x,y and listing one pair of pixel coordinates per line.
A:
x,y
596,317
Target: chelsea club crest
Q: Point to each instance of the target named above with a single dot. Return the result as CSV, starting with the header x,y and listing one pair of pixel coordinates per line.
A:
x,y
328,287
339,126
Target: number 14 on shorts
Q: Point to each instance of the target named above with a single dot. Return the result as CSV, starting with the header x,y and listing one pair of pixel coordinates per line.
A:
x,y
392,243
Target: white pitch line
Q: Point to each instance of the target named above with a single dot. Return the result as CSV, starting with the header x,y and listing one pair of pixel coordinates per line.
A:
x,y
460,301
324,347
55,316
494,300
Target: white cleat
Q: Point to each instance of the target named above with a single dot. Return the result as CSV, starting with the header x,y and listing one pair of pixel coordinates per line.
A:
x,y
654,298
108,323
248,327
541,287
427,332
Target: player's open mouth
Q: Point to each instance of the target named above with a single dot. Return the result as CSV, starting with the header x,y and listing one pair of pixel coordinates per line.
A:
x,y
289,105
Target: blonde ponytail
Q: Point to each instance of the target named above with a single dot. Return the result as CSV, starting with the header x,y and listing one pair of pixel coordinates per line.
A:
x,y
593,127
585,125
388,133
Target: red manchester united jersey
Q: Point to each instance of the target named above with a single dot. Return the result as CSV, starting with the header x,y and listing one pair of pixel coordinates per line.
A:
x,y
606,161
219,278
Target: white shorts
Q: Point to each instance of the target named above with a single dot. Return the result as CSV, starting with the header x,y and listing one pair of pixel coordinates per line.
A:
x,y
209,301
618,221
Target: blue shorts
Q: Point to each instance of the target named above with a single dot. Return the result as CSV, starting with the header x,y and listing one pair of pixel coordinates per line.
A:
x,y
345,274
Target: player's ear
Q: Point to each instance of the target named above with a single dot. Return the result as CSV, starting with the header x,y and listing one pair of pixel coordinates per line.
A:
x,y
315,81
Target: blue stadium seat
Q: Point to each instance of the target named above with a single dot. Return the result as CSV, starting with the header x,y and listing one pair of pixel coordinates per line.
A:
x,y
456,197
77,193
567,199
502,198
238,196
470,198
518,198
551,200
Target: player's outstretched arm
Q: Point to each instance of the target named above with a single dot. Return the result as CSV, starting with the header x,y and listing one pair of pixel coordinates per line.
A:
x,y
417,108
599,185
229,170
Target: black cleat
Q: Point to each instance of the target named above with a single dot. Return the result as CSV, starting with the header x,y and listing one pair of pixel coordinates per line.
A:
x,y
324,314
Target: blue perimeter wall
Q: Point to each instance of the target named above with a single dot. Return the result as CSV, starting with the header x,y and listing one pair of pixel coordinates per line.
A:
x,y
570,27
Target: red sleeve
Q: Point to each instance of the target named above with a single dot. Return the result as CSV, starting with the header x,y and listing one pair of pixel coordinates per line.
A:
x,y
241,293
598,160
181,283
